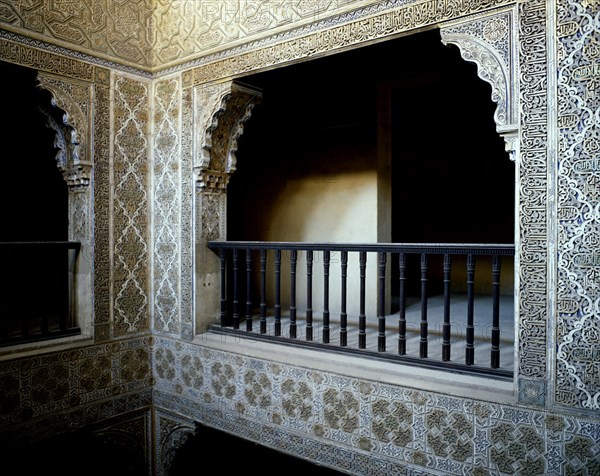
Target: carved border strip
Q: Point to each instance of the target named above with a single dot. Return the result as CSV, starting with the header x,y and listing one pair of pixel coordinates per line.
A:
x,y
355,32
26,55
187,213
384,423
166,210
102,256
577,338
532,196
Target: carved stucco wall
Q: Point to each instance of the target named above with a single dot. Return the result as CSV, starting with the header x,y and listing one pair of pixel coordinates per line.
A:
x,y
62,391
143,225
130,205
153,34
577,119
55,391
111,29
488,39
166,173
524,116
101,104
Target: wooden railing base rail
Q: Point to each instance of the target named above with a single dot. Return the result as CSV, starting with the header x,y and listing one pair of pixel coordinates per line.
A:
x,y
455,367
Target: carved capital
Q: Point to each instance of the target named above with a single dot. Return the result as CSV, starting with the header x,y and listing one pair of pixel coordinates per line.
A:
x,y
212,181
78,175
222,109
511,142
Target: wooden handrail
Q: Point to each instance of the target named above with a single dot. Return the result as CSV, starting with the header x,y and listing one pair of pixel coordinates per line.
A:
x,y
501,249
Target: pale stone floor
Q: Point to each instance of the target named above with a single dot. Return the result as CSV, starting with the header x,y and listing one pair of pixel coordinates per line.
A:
x,y
435,308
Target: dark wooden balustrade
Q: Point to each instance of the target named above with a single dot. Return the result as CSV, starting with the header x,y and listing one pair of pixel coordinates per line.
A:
x,y
37,291
414,273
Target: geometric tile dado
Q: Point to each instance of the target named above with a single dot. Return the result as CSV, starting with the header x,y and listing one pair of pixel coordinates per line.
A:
x,y
47,387
307,413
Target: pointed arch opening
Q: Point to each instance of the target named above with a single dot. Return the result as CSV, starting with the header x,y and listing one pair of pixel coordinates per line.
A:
x,y
395,143
39,194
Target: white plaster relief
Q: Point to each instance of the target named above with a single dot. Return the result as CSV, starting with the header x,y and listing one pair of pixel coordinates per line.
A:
x,y
253,99
577,381
211,101
488,42
225,108
72,155
166,206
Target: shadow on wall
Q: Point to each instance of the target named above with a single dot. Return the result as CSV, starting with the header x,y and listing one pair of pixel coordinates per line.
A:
x,y
110,453
228,454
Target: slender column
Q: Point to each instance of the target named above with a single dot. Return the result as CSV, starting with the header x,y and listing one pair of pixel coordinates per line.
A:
x,y
343,314
470,349
263,291
326,257
293,259
424,325
249,290
362,319
223,260
309,310
495,353
402,310
72,315
381,314
278,292
236,297
446,326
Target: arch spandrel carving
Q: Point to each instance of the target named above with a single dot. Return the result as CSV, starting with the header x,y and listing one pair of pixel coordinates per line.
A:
x,y
71,132
222,109
211,101
488,42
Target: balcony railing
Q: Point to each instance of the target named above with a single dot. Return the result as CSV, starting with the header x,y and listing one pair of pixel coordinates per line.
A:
x,y
37,291
433,305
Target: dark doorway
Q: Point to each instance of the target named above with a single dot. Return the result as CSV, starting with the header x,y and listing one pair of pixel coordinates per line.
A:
x,y
232,455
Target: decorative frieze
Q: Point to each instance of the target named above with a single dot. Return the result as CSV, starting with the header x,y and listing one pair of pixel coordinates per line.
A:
x,y
187,213
153,37
43,389
102,264
372,23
